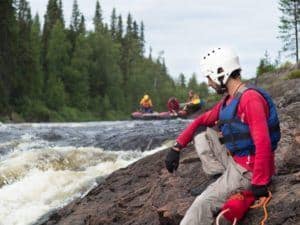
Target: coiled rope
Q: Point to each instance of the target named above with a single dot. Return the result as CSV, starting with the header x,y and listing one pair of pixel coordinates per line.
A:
x,y
263,202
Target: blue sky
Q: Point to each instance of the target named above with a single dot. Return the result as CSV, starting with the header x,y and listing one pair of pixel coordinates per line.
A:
x,y
185,29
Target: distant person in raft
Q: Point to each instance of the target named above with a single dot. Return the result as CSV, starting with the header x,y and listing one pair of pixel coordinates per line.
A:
x,y
173,106
193,103
237,145
146,104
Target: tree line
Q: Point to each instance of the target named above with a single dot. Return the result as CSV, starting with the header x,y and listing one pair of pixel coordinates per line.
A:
x,y
289,28
59,72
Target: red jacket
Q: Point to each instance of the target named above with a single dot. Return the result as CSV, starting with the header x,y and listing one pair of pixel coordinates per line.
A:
x,y
254,111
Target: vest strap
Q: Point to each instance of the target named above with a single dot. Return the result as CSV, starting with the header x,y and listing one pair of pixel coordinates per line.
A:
x,y
222,122
242,136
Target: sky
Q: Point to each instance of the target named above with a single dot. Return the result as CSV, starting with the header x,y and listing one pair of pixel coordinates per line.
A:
x,y
183,30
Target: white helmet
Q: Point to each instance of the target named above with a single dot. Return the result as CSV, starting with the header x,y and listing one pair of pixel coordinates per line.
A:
x,y
220,62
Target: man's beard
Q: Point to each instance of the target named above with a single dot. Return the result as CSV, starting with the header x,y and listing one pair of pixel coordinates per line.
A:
x,y
220,89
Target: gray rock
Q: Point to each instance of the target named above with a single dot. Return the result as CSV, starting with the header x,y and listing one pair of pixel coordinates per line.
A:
x,y
145,193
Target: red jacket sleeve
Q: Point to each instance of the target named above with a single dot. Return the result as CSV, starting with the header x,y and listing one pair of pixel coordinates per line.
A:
x,y
207,119
256,112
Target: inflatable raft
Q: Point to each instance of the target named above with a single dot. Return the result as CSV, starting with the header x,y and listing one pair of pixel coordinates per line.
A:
x,y
163,115
153,116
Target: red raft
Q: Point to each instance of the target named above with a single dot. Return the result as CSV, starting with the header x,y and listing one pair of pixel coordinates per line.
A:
x,y
152,116
163,115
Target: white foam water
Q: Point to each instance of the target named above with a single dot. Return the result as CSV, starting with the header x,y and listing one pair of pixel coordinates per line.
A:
x,y
35,181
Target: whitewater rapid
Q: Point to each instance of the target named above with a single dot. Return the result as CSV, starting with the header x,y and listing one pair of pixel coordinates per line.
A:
x,y
39,174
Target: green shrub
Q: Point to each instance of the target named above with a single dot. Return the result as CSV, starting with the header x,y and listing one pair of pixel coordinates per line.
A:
x,y
295,74
4,119
35,111
69,114
286,65
265,67
16,118
56,117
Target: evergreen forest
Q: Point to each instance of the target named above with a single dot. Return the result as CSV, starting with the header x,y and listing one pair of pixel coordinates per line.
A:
x,y
59,71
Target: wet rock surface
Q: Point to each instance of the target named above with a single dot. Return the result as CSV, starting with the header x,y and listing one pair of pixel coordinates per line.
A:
x,y
145,193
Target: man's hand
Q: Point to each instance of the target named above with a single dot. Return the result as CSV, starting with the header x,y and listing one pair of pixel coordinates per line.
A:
x,y
172,159
260,190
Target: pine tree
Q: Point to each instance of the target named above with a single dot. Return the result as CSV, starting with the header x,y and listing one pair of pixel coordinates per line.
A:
x,y
142,37
53,14
182,80
76,80
28,83
119,35
59,47
75,25
8,38
105,29
36,25
113,24
192,84
129,29
26,68
36,39
150,53
33,107
82,28
57,58
130,51
55,93
135,30
105,77
289,26
98,20
75,19
60,13
164,67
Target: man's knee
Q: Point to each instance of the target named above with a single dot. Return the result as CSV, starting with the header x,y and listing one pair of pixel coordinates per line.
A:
x,y
201,204
198,212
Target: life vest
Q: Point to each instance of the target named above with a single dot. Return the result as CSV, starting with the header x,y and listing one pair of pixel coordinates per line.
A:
x,y
195,99
173,104
146,103
236,134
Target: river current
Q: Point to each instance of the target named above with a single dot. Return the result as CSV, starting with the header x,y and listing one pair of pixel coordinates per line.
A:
x,y
44,166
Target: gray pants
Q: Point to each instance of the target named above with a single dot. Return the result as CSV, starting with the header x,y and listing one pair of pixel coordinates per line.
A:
x,y
234,178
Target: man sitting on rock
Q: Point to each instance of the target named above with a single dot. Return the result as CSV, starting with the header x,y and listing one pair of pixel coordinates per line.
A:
x,y
239,143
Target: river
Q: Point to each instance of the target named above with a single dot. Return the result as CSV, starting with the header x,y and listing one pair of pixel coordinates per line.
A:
x,y
44,166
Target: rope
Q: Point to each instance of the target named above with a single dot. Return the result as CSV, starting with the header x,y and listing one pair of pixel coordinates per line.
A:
x,y
221,213
263,202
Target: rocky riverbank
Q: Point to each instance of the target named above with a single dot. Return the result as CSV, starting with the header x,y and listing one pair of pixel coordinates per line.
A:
x,y
145,193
